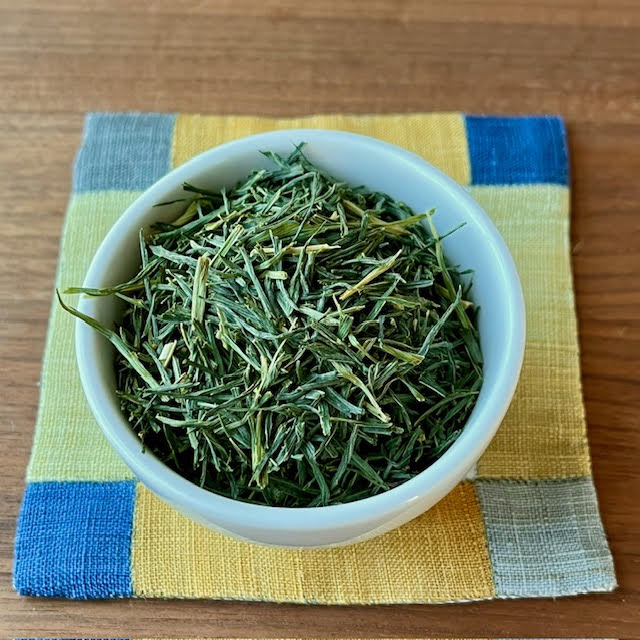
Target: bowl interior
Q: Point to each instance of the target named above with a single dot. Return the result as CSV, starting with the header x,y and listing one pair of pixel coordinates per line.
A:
x,y
360,161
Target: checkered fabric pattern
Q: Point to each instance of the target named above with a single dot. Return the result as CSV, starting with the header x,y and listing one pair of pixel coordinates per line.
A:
x,y
526,525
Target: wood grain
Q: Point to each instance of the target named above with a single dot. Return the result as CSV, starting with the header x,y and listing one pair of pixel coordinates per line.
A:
x,y
579,58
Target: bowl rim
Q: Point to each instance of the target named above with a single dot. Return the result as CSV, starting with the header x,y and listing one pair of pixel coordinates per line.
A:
x,y
453,464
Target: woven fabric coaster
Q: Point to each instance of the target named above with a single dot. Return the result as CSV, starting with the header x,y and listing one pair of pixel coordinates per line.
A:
x,y
526,525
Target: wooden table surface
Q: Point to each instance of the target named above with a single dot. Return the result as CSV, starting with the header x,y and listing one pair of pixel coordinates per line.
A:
x,y
578,58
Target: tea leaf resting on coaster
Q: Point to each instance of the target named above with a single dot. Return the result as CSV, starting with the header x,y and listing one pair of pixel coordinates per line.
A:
x,y
294,341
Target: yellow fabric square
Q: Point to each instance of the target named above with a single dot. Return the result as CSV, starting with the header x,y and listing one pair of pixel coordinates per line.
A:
x,y
440,556
440,138
544,433
68,444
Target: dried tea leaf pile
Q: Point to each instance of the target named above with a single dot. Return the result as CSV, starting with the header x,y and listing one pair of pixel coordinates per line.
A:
x,y
295,341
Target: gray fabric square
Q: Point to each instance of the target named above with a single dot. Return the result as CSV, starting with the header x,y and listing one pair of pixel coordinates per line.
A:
x,y
123,151
545,538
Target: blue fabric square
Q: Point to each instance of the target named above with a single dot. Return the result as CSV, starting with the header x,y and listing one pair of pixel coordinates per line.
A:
x,y
517,150
74,540
123,151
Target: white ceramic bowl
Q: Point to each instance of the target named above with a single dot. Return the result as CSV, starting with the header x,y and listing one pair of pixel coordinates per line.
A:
x,y
358,160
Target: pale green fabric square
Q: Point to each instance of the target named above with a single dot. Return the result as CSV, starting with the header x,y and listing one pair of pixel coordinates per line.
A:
x,y
68,444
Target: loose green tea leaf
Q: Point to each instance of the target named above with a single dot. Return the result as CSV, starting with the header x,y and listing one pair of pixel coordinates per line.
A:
x,y
295,341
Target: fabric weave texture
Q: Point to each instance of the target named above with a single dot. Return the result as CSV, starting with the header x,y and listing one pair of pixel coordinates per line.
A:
x,y
526,525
